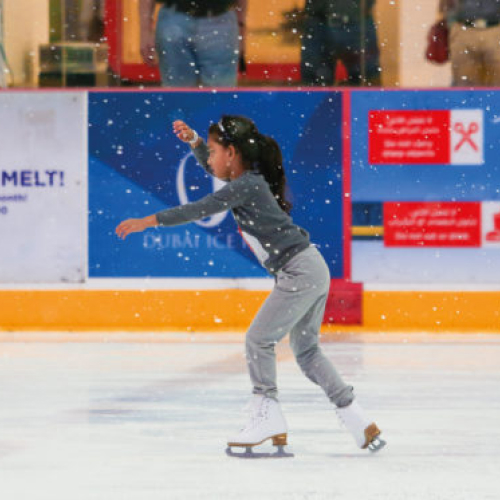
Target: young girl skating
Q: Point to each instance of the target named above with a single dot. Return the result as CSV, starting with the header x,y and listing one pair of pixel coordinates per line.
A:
x,y
252,165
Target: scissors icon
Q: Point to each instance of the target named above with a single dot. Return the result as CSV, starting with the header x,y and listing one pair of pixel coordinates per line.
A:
x,y
466,134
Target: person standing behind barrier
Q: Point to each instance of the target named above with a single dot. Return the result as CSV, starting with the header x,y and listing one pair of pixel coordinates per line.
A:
x,y
340,30
197,41
474,41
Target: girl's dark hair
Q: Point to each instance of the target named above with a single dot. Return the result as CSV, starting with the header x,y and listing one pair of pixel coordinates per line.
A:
x,y
258,152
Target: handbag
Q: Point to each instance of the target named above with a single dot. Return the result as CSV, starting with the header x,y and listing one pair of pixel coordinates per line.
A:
x,y
437,43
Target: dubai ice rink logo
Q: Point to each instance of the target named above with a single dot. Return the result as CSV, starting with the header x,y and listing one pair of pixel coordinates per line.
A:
x,y
182,192
182,238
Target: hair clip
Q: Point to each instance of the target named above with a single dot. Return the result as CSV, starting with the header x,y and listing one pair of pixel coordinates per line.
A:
x,y
225,134
221,127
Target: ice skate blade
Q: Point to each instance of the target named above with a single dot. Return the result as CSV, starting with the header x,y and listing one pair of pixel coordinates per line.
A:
x,y
372,438
376,445
249,453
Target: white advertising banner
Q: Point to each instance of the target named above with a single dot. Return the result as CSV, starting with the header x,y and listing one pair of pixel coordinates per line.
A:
x,y
43,190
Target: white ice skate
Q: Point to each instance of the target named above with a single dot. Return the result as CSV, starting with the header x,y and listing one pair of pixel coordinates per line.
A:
x,y
365,432
266,421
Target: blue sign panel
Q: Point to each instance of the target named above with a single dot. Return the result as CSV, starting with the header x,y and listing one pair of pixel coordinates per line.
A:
x,y
416,181
425,147
137,167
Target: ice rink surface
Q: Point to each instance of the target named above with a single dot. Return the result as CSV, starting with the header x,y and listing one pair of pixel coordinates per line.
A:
x,y
146,417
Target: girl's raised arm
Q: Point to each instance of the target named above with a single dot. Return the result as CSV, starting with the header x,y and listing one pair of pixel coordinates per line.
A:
x,y
186,134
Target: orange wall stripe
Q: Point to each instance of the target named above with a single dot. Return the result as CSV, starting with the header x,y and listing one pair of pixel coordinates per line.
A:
x,y
128,310
223,310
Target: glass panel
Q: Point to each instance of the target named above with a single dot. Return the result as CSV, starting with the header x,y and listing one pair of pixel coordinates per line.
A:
x,y
62,43
386,14
332,42
272,48
122,34
4,70
272,44
76,55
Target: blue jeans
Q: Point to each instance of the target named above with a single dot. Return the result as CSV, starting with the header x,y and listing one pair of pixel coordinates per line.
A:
x,y
323,45
197,51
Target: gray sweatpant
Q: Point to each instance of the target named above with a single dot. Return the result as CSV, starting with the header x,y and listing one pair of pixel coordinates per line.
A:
x,y
296,305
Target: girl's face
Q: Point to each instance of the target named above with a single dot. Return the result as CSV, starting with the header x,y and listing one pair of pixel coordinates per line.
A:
x,y
223,161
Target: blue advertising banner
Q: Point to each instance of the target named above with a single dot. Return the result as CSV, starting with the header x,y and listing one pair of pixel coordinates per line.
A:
x,y
421,161
137,167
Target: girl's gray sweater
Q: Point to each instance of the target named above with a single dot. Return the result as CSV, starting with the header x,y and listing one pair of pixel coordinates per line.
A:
x,y
265,227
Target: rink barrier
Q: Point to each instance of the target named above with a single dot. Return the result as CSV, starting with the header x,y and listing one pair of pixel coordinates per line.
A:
x,y
223,310
226,310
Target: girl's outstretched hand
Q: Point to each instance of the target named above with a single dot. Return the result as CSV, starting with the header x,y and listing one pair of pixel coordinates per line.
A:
x,y
131,226
183,131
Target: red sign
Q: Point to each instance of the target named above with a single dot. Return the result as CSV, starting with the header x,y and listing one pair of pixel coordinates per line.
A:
x,y
409,137
453,136
432,224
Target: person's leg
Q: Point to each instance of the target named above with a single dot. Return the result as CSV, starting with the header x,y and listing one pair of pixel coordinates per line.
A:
x,y
297,303
492,56
316,61
304,340
315,365
298,286
372,56
361,60
175,52
217,50
465,60
279,313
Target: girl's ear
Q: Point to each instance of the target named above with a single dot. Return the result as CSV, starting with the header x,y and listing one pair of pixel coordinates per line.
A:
x,y
232,151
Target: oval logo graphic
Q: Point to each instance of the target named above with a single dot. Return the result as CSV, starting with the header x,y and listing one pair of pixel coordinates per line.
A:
x,y
213,220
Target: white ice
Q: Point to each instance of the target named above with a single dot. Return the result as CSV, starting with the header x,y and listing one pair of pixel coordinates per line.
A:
x,y
120,416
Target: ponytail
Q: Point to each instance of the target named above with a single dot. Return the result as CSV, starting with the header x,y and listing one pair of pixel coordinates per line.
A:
x,y
258,152
270,165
